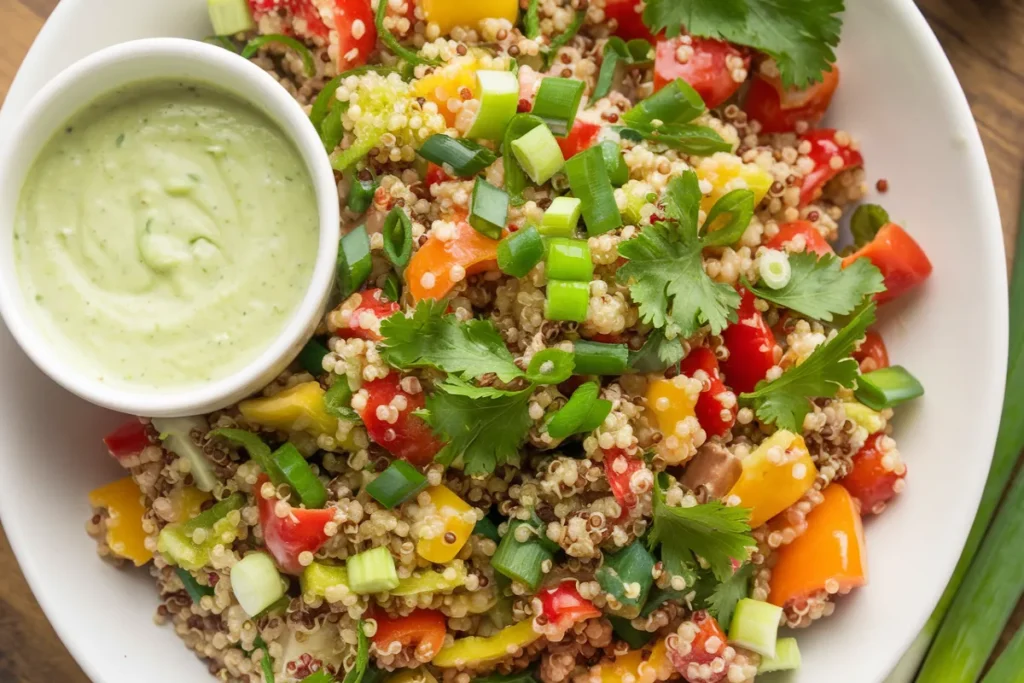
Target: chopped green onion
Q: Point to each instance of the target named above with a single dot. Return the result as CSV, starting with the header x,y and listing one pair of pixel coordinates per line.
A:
x,y
488,211
338,399
266,663
599,358
331,128
488,529
311,357
1009,663
538,154
562,217
195,590
229,16
358,671
520,561
867,220
887,387
685,137
300,476
563,39
616,51
787,657
584,412
176,435
624,630
465,157
258,451
531,20
569,259
392,287
615,162
775,269
550,366
557,101
520,252
622,573
256,583
755,626
515,177
677,102
361,192
567,300
254,45
354,261
588,178
362,146
372,571
397,484
388,38
398,237
499,100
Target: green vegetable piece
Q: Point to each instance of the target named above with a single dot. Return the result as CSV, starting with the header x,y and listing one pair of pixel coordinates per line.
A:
x,y
520,561
631,636
564,38
615,162
318,578
230,16
538,154
589,180
392,287
195,590
787,657
361,192
755,626
515,176
867,220
562,217
488,212
550,366
397,484
584,412
176,435
256,583
520,252
557,102
354,261
338,400
257,450
658,353
677,102
358,671
464,157
567,300
311,358
599,358
254,45
432,582
177,541
620,576
388,38
372,571
820,287
266,663
569,259
887,387
300,476
486,527
498,92
398,237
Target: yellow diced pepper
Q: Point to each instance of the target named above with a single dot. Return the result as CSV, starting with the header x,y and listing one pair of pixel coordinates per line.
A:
x,y
433,581
447,82
671,402
477,650
657,667
726,173
299,408
455,514
863,416
776,475
123,502
451,13
187,502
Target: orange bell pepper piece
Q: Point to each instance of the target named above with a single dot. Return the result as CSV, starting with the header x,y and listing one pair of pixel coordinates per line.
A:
x,y
429,274
901,259
423,628
125,535
828,555
774,476
656,667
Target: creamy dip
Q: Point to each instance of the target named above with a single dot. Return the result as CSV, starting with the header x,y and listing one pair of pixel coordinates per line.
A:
x,y
166,234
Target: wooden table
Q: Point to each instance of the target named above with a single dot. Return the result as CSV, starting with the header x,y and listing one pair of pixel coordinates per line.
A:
x,y
983,40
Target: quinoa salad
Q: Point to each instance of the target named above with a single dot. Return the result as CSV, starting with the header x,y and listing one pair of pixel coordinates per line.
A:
x,y
599,396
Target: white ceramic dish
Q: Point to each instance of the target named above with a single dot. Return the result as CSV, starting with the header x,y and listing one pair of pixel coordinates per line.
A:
x,y
899,95
78,86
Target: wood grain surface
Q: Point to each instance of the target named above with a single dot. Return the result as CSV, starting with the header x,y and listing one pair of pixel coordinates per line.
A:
x,y
983,39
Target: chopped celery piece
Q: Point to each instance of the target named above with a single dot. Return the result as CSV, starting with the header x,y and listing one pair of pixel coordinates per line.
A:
x,y
498,92
562,217
787,657
256,583
755,626
176,434
539,154
887,387
230,16
372,571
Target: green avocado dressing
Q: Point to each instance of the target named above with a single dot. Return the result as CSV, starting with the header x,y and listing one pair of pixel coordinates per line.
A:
x,y
166,234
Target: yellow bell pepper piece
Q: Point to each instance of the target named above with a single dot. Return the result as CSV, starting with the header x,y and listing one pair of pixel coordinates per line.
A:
x,y
299,408
123,502
187,502
454,512
446,83
412,676
864,417
476,650
432,581
726,173
657,667
671,401
451,13
774,476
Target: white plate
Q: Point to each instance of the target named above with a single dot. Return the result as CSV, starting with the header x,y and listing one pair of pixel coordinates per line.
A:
x,y
899,95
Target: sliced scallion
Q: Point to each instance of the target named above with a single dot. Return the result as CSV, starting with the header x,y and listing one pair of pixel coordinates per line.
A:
x,y
624,571
677,102
331,128
531,20
254,45
615,162
600,358
372,571
520,561
392,287
299,475
388,38
515,177
397,232
258,451
569,259
550,366
498,92
520,252
775,269
354,261
567,300
464,157
588,178
488,211
341,161
311,357
685,137
562,217
361,192
195,590
557,101
397,484
538,154
584,412
488,529
887,387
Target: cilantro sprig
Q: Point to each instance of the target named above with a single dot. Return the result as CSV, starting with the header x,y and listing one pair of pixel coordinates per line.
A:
x,y
800,34
785,401
821,288
722,599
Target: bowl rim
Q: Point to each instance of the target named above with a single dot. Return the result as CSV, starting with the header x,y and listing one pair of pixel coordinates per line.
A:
x,y
255,87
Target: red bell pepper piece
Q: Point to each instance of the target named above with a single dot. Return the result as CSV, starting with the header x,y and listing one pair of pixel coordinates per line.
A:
x,y
563,606
751,347
363,321
716,406
800,234
628,16
620,468
709,69
128,440
582,137
872,354
693,659
357,32
903,263
824,149
780,110
877,476
407,437
435,176
287,537
424,628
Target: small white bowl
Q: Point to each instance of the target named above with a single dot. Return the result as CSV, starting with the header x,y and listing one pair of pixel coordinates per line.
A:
x,y
81,84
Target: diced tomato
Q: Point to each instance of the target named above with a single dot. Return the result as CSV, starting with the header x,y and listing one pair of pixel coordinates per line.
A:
x,y
563,606
128,440
582,137
824,149
287,537
709,69
424,628
716,406
903,263
360,315
800,236
877,476
435,176
694,662
628,16
779,110
620,468
357,32
302,18
872,354
408,437
751,347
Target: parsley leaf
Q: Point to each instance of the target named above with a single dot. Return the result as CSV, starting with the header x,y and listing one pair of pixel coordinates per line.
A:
x,y
430,338
721,603
821,288
483,426
800,34
784,402
714,531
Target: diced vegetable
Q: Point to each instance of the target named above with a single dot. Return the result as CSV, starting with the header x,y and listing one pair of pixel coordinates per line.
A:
x,y
407,436
520,252
229,16
538,154
397,231
672,405
642,666
825,147
195,590
550,366
726,173
887,387
781,110
458,519
862,416
498,92
776,475
432,582
704,628
311,358
422,628
361,192
125,536
372,571
354,260
476,650
397,484
562,217
177,436
716,407
799,236
254,45
872,354
829,555
429,274
563,606
627,579
256,583
521,560
488,211
714,68
775,269
465,157
903,263
583,136
589,180
569,259
318,578
299,475
448,14
598,358
628,634
286,538
751,347
787,657
128,440
614,162
877,475
584,412
567,300
675,102
557,101
755,626
619,469
188,544
300,407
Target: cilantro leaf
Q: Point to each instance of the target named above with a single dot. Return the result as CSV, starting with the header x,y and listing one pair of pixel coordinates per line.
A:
x,y
430,338
721,603
784,402
358,670
714,531
657,354
618,52
484,427
821,288
800,34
